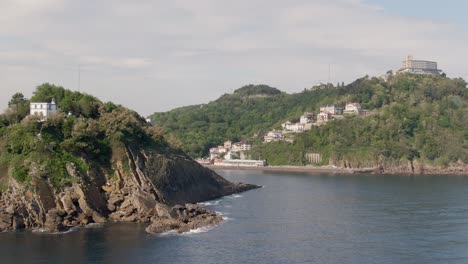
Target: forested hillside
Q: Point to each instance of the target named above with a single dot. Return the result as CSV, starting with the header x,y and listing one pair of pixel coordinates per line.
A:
x,y
83,132
422,118
414,117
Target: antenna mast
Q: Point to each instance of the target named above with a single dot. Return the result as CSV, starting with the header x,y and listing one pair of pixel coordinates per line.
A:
x,y
79,78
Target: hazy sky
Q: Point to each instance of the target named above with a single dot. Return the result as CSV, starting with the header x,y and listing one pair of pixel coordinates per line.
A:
x,y
157,55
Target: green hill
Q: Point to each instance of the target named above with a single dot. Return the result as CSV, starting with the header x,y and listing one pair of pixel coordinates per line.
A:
x,y
414,117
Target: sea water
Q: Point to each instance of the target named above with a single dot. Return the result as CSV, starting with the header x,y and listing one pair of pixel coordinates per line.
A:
x,y
294,218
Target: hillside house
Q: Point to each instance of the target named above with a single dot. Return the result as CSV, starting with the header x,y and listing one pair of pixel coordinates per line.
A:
x,y
241,146
306,118
43,109
272,136
332,110
324,117
352,108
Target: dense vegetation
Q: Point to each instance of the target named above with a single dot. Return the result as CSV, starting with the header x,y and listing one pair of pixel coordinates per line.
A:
x,y
257,90
414,117
91,133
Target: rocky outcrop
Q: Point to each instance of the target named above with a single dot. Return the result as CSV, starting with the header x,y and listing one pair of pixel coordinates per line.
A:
x,y
401,167
182,218
144,186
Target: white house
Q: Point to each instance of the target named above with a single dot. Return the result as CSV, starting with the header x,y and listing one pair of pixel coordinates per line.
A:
x,y
273,136
323,117
332,110
296,127
306,118
241,146
42,109
352,108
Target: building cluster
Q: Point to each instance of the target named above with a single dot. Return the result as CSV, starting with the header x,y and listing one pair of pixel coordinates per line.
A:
x,y
304,124
230,150
308,119
231,154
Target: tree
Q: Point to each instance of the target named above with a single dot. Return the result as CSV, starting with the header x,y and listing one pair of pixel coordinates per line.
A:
x,y
19,104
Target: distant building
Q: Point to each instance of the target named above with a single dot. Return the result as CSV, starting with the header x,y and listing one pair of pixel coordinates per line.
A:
x,y
352,108
305,123
306,118
274,135
332,110
419,66
296,127
241,146
214,153
42,109
240,163
228,144
204,161
323,117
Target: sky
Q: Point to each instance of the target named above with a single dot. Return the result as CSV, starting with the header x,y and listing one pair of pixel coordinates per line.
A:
x,y
153,56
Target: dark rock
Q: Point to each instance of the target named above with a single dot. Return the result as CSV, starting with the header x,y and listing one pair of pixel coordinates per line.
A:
x,y
18,223
54,222
187,217
6,221
144,191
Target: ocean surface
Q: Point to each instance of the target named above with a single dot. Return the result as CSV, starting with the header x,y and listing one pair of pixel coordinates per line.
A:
x,y
294,218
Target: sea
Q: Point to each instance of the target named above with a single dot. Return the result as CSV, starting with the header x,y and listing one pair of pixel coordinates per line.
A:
x,y
295,217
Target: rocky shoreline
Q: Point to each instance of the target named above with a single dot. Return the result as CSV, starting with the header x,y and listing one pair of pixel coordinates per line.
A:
x,y
156,189
456,169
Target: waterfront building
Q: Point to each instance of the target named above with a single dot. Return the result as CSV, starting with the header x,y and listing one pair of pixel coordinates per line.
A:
x,y
43,109
204,161
240,163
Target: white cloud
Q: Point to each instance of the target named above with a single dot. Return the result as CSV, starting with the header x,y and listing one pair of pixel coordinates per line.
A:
x,y
184,52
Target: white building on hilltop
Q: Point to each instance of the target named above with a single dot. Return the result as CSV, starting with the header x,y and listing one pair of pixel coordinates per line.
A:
x,y
42,109
419,66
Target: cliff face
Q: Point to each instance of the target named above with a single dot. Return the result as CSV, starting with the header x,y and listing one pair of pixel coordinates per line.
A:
x,y
401,167
141,187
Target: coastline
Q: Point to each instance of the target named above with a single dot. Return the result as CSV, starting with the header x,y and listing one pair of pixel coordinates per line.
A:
x,y
323,169
338,170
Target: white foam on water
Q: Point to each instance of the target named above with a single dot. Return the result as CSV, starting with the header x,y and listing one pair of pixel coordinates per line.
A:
x,y
39,230
45,231
224,216
168,233
210,203
197,231
236,196
73,229
221,213
94,225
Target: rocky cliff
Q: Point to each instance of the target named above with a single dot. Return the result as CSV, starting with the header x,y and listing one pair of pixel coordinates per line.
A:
x,y
99,162
147,189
